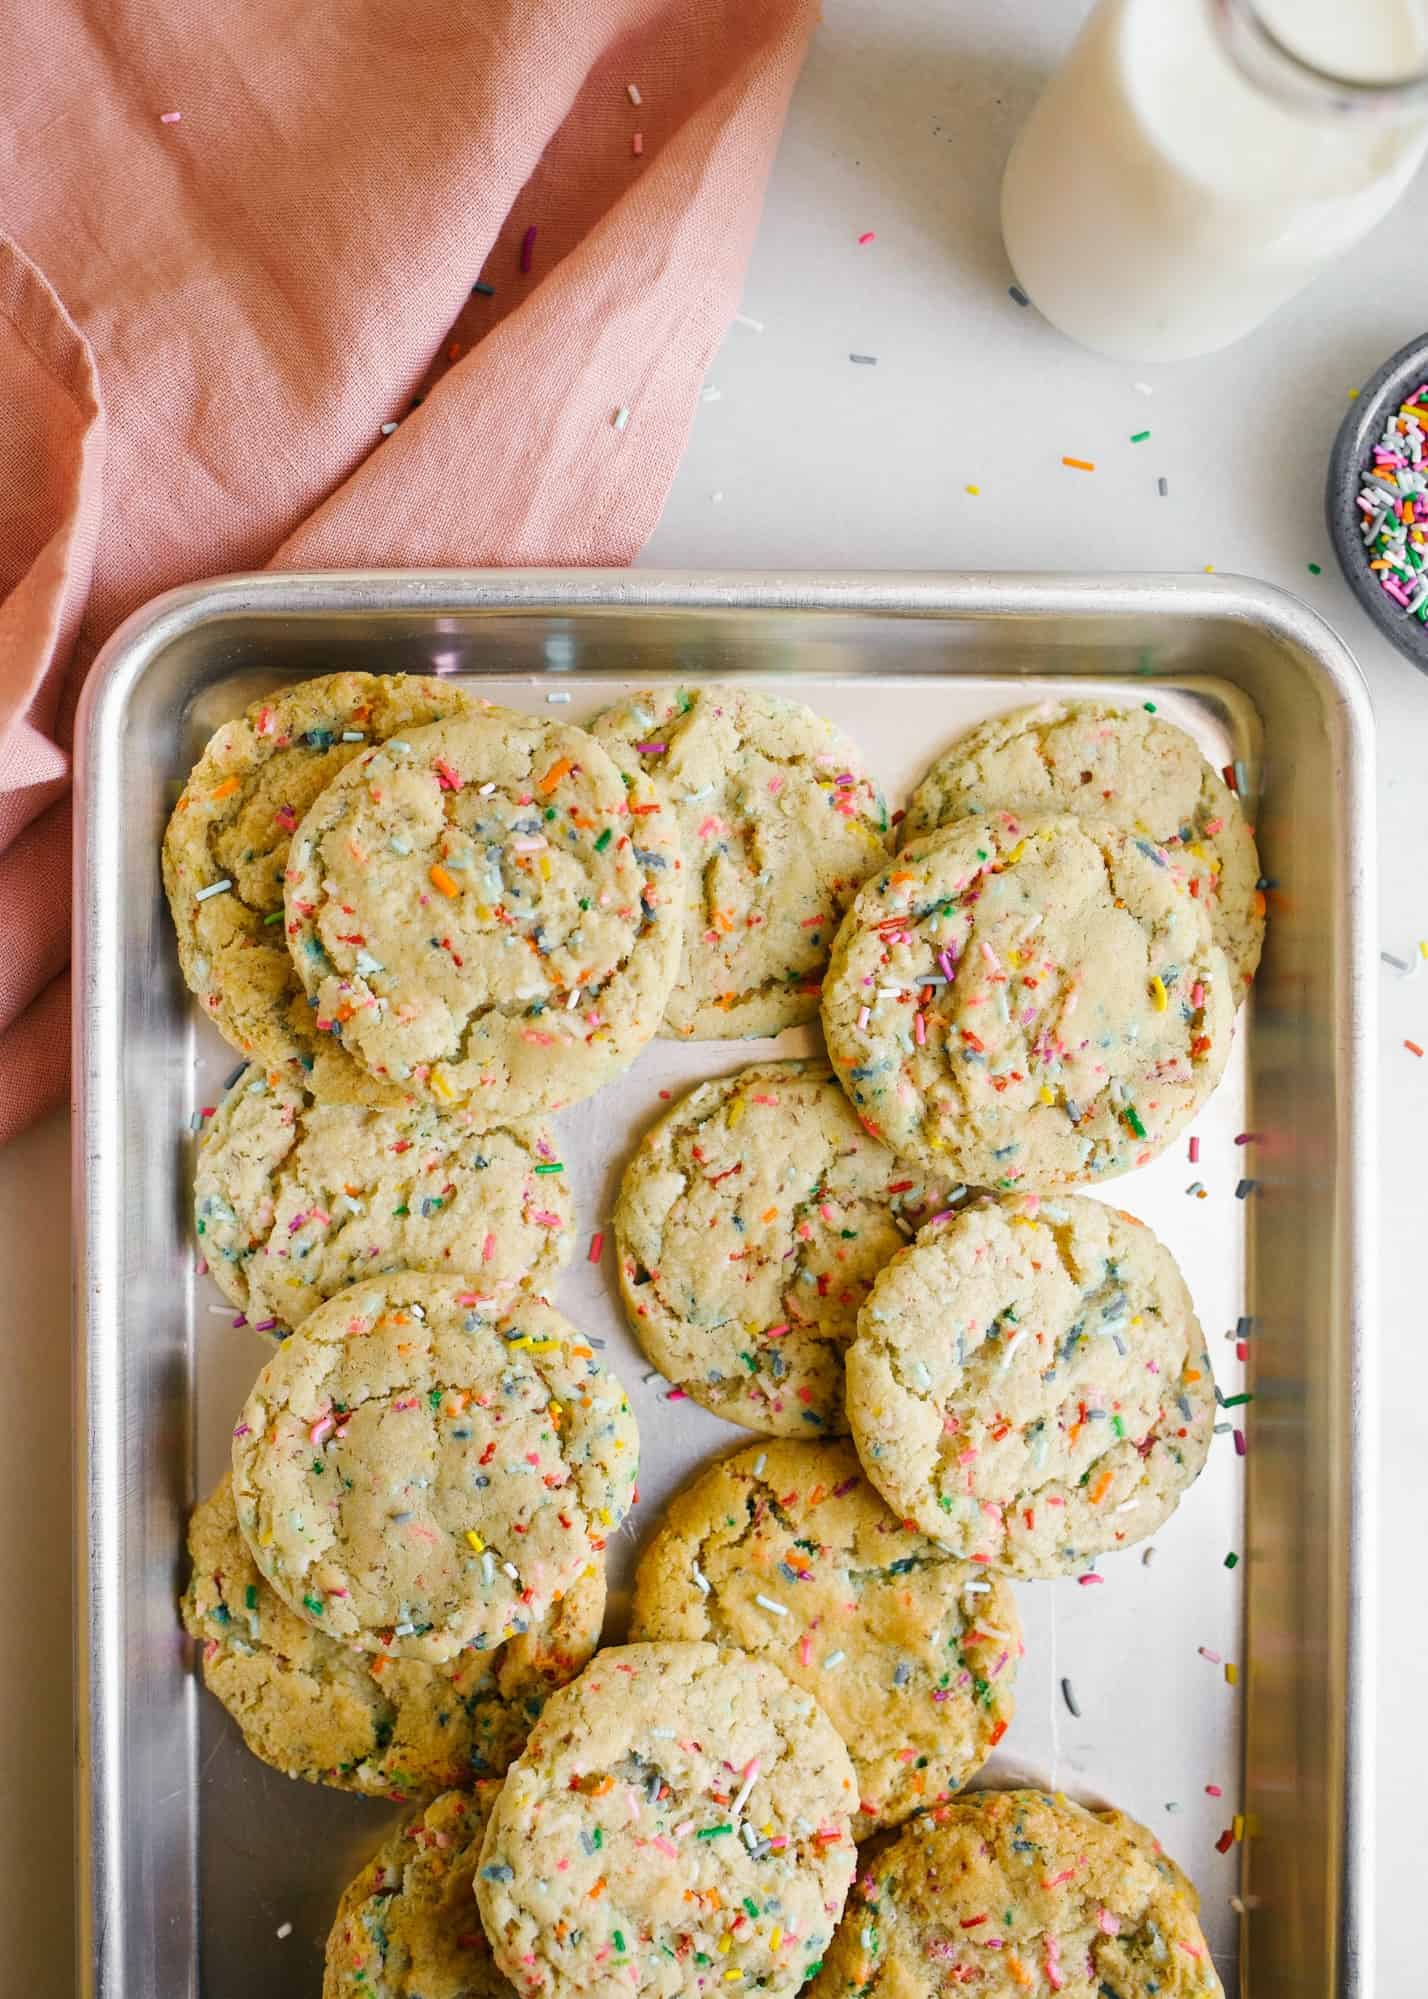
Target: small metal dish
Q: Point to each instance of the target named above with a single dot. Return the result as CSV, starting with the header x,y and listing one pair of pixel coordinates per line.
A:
x,y
1361,429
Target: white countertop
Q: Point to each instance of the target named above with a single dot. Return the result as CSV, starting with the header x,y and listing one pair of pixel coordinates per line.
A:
x,y
900,126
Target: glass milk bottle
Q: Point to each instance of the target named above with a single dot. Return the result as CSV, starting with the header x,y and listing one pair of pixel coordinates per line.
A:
x,y
1195,162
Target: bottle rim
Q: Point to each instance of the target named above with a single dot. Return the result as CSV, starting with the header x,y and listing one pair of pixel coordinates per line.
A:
x,y
1269,62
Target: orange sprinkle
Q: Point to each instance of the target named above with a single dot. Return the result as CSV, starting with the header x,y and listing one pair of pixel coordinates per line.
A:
x,y
1413,1048
769,1215
447,883
598,1890
226,789
556,773
1079,464
1100,1488
1258,902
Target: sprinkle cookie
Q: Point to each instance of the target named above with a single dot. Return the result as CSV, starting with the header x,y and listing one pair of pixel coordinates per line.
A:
x,y
1028,1003
1030,1383
385,1727
1013,1892
750,1224
407,1926
787,1553
778,824
226,851
295,1199
486,913
1128,766
414,1474
677,1821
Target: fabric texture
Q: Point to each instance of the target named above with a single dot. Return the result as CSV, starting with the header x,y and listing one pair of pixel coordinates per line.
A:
x,y
205,320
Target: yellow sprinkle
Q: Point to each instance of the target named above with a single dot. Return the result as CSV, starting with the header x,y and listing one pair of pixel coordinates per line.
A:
x,y
1232,1673
1016,853
525,1340
441,1088
545,867
1353,395
542,1346
556,1409
1423,947
265,1539
725,1944
775,1937
736,1112
1238,1825
1159,997
1048,1096
483,912
604,1516
733,1972
444,880
475,1540
974,489
1209,568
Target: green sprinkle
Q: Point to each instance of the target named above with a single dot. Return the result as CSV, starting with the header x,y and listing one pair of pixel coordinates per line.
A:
x,y
1234,1401
402,1210
273,916
1139,436
313,1604
250,1596
604,840
1132,1118
1231,1561
751,1905
598,1837
1149,707
1118,1427
555,1166
1315,570
812,1970
619,1937
713,1831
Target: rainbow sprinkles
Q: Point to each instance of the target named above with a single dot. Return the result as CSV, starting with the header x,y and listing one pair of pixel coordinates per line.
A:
x,y
1394,505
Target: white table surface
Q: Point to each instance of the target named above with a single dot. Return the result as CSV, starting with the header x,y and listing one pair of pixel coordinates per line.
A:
x,y
900,125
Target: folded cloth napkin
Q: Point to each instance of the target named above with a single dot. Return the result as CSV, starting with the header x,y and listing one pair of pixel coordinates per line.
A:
x,y
236,240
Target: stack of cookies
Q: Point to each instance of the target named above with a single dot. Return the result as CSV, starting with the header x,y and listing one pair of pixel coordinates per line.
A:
x,y
429,924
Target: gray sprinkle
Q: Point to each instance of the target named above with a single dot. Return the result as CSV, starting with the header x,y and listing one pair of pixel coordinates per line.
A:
x,y
1162,486
864,360
1398,964
1016,292
1068,1694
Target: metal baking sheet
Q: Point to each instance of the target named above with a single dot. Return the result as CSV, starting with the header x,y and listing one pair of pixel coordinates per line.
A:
x,y
195,1856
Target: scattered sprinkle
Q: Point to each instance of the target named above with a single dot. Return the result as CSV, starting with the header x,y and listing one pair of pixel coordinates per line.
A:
x,y
768,1603
1232,1560
1314,569
1412,1047
637,144
1016,292
974,490
1068,1694
864,360
743,319
284,1930
1398,964
1162,486
1144,389
175,118
868,236
620,418
1139,436
387,429
214,888
710,395
632,91
1080,464
597,1246
483,290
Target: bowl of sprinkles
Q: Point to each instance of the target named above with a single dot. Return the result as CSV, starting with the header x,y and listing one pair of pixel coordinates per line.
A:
x,y
1377,499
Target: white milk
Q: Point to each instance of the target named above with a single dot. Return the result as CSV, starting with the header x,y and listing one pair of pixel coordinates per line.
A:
x,y
1158,204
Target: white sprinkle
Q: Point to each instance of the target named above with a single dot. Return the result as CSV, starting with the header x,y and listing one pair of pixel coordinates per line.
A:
x,y
717,498
1145,389
1128,1506
620,418
1011,1346
864,1016
759,1462
484,790
510,1569
632,91
387,429
284,1930
223,1311
396,743
767,1603
214,888
573,1001
701,1581
742,1798
174,118
743,319
975,1589
562,694
833,1659
710,395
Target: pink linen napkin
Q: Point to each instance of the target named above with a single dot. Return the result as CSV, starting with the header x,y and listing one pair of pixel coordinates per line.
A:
x,y
237,239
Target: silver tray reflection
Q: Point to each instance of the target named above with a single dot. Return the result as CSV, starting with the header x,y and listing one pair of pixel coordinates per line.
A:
x,y
194,1855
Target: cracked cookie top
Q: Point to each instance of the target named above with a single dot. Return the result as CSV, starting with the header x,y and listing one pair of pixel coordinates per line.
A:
x,y
486,912
1028,1003
1030,1383
778,823
787,1552
679,1818
750,1224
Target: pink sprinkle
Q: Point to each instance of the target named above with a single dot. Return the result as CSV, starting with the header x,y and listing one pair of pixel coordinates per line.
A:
x,y
243,1430
466,1298
527,247
1110,1924
1086,1581
321,1215
597,1245
1393,590
919,1029
1213,826
637,144
665,1846
296,1223
446,777
200,1269
1197,993
1213,1657
488,1249
776,1332
864,1016
708,826
804,1647
949,970
1213,1791
1239,1443
1194,1152
546,1219
676,1395
683,1830
651,749
170,117
868,236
